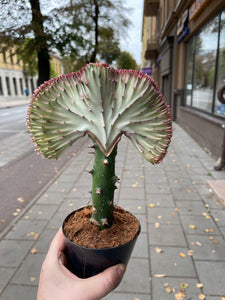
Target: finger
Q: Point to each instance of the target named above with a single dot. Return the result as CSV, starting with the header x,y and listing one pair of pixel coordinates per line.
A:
x,y
105,281
57,245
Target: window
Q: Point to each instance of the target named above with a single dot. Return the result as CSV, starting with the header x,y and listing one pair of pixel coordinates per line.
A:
x,y
205,65
219,108
15,86
1,89
8,86
21,86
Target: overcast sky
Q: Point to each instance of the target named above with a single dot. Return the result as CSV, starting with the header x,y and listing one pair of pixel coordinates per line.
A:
x,y
132,43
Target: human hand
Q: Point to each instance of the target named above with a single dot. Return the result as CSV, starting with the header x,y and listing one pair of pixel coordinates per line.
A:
x,y
57,282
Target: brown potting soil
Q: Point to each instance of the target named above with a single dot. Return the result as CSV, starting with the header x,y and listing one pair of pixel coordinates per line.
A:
x,y
81,231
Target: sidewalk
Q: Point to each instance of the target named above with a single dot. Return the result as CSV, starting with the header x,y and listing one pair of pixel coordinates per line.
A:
x,y
11,103
183,226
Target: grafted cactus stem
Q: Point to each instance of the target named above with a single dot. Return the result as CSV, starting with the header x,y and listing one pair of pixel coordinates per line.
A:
x,y
103,186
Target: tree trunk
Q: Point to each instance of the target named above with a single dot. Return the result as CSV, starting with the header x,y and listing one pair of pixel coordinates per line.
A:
x,y
40,41
95,19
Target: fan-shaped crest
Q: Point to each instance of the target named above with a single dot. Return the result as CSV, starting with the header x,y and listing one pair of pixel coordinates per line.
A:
x,y
104,103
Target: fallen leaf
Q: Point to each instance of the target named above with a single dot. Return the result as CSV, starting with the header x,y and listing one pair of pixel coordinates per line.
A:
x,y
206,215
159,217
134,185
136,298
223,298
75,190
20,199
180,296
159,275
152,205
32,279
168,290
199,285
209,230
215,242
158,250
197,243
15,214
184,285
201,296
3,221
182,255
190,252
139,207
192,226
217,220
36,236
33,251
157,225
188,165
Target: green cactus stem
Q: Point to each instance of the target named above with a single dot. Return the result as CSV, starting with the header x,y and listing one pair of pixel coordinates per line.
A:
x,y
103,186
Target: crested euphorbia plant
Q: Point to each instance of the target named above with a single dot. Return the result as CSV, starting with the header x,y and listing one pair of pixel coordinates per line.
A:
x,y
105,104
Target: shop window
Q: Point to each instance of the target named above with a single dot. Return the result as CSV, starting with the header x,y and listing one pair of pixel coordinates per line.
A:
x,y
189,72
205,65
219,108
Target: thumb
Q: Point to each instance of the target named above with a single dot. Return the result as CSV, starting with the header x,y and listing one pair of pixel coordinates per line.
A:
x,y
106,281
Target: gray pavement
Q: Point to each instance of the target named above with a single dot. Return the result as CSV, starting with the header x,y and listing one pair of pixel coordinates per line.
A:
x,y
180,253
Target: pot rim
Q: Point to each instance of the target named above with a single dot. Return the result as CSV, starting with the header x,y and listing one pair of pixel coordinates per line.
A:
x,y
99,249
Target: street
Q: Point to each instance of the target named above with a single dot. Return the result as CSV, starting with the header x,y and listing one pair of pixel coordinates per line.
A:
x,y
23,174
12,121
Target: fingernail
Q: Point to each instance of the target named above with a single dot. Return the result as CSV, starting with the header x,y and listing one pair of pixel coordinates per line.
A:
x,y
121,269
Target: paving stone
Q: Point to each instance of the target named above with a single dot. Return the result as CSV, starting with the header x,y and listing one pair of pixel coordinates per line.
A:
x,y
166,235
203,225
60,187
162,215
180,193
188,207
170,262
223,231
211,248
26,230
141,246
29,272
130,193
44,240
134,207
7,252
136,278
161,200
5,275
57,220
51,198
41,212
143,220
167,288
19,292
154,188
211,274
71,204
80,192
126,296
220,215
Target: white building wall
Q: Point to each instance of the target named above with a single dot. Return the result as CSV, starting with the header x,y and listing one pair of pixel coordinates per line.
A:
x,y
14,78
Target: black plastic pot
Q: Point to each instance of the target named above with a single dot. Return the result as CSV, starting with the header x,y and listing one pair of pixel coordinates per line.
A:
x,y
86,262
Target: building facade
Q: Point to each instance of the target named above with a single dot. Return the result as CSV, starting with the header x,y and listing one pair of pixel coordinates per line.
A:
x,y
184,45
15,81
